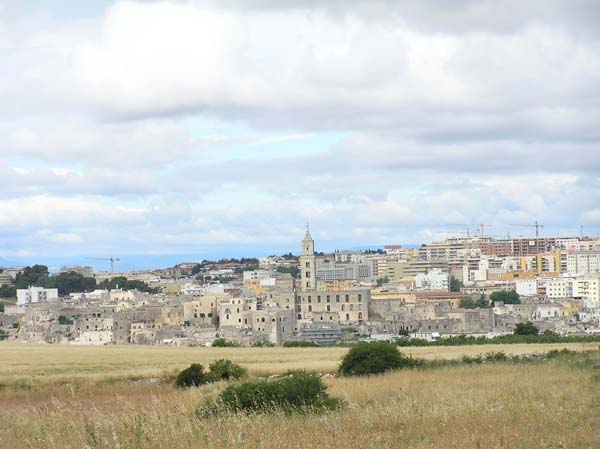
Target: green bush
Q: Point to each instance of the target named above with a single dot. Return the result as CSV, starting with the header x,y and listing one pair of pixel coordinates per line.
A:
x,y
262,344
467,360
300,344
225,370
222,343
463,340
193,376
526,329
297,391
496,357
374,358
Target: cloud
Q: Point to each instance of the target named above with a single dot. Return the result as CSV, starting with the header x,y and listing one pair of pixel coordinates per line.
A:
x,y
322,73
189,125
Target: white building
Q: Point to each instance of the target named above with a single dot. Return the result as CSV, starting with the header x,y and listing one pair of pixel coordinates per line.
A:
x,y
583,262
192,289
435,279
36,294
586,288
526,287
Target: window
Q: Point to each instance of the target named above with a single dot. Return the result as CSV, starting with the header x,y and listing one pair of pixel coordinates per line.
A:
x,y
328,298
318,298
308,274
310,308
328,308
347,298
299,316
360,316
307,264
347,317
337,298
359,298
309,298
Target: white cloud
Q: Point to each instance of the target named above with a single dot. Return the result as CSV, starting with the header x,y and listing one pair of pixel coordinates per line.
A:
x,y
470,111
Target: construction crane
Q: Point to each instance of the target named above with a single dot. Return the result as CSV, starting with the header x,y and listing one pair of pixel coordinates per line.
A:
x,y
481,226
453,233
112,262
536,225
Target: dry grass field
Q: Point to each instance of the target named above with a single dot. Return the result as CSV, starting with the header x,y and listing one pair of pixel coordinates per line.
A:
x,y
33,365
77,397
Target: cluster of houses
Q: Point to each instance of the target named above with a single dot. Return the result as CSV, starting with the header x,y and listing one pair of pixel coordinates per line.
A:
x,y
334,298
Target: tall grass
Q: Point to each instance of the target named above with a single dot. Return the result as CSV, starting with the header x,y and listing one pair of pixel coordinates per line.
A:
x,y
503,405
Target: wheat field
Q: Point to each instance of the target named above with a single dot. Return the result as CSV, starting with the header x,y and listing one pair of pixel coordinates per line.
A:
x,y
36,364
83,397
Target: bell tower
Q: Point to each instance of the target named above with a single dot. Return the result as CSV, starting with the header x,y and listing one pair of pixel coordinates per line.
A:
x,y
308,270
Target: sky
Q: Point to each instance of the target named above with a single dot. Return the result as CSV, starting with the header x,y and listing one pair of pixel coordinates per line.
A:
x,y
164,130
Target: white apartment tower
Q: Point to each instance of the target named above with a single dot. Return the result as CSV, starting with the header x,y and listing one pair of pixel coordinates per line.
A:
x,y
308,273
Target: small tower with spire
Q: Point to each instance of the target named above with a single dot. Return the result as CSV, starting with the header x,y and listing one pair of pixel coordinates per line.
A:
x,y
308,274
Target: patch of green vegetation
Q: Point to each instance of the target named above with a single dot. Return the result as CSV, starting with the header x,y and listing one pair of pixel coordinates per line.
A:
x,y
374,358
297,392
225,370
531,338
300,344
222,343
194,375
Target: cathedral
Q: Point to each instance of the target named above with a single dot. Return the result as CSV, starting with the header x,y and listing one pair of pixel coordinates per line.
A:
x,y
322,303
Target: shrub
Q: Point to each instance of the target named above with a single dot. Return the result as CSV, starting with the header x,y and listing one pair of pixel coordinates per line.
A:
x,y
374,358
467,360
222,343
225,370
526,329
262,344
496,357
193,376
300,344
507,297
297,391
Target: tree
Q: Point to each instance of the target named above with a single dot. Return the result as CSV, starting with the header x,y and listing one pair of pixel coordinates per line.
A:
x,y
526,328
294,271
507,297
124,284
36,275
64,320
455,284
382,281
6,291
72,282
193,376
197,269
467,303
373,358
470,303
225,370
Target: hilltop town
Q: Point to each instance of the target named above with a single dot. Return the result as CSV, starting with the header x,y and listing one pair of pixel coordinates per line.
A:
x,y
473,286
